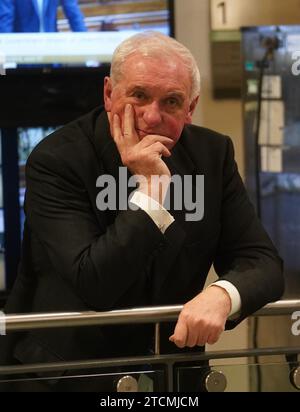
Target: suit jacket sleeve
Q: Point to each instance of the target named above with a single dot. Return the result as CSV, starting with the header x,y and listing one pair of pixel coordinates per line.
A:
x,y
246,256
74,15
7,15
101,263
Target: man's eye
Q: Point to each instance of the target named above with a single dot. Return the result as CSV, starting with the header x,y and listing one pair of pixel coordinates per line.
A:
x,y
172,102
139,95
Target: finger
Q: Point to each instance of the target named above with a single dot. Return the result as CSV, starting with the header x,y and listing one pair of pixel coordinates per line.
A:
x,y
214,337
117,132
163,152
202,340
130,133
160,149
212,340
180,335
150,139
193,337
157,149
166,153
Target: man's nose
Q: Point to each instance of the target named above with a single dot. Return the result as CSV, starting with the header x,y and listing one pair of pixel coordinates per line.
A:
x,y
152,115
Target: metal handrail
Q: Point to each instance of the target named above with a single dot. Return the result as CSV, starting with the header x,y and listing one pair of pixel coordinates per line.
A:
x,y
167,359
117,317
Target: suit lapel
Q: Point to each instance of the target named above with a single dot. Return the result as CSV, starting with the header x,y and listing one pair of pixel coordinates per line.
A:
x,y
179,164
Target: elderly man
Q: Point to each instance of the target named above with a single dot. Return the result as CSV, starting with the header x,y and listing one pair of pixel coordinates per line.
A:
x,y
78,256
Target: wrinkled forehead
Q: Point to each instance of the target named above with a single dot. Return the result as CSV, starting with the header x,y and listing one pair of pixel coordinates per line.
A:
x,y
143,68
155,57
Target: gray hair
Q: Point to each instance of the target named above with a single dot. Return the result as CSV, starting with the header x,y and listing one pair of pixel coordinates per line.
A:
x,y
155,44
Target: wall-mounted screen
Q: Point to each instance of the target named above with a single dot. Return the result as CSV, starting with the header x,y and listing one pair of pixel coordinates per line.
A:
x,y
74,33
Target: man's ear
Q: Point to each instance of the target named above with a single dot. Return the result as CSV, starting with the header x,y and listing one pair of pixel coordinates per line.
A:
x,y
192,108
107,93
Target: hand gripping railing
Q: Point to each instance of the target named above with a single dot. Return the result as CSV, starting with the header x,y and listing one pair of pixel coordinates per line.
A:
x,y
155,315
141,315
117,317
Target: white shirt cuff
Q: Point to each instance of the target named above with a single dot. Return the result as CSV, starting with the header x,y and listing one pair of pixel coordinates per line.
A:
x,y
234,294
160,216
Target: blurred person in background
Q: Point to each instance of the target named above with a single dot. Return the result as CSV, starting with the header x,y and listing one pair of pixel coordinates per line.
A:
x,y
32,16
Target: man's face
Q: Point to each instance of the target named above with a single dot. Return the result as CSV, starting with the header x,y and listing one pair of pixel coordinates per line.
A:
x,y
159,92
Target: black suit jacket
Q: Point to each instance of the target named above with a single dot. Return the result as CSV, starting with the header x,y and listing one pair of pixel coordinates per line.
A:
x,y
77,258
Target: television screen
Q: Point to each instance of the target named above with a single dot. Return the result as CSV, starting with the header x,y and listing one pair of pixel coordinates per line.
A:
x,y
73,33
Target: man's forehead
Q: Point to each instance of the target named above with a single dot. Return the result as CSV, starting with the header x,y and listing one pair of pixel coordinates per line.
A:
x,y
166,74
159,66
154,73
152,55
